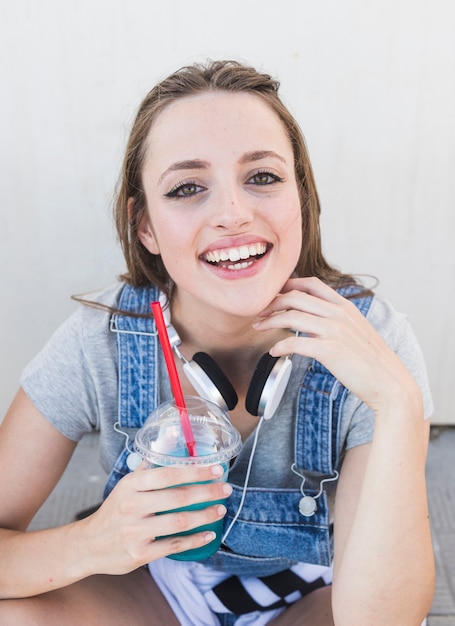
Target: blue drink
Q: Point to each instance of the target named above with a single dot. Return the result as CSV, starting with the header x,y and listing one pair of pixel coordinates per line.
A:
x,y
161,443
207,550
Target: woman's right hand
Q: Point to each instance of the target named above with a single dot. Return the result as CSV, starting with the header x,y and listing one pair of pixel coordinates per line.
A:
x,y
117,538
122,534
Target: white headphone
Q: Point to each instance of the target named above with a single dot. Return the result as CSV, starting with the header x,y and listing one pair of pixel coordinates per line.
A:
x,y
267,386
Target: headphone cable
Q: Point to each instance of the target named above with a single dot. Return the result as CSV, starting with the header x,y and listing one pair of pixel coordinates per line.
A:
x,y
245,484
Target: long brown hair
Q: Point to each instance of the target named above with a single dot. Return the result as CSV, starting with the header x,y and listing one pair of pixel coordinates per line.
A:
x,y
143,267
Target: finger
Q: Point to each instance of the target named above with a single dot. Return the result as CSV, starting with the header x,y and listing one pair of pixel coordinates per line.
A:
x,y
153,502
163,477
303,301
170,533
305,346
174,523
312,286
180,543
301,321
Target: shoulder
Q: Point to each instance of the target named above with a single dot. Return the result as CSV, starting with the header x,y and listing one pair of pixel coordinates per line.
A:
x,y
75,370
102,300
81,333
390,323
95,310
396,330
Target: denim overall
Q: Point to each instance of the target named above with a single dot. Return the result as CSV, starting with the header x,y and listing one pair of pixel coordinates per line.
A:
x,y
270,533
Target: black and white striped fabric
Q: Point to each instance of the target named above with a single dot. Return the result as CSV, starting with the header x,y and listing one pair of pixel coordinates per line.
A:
x,y
272,592
241,595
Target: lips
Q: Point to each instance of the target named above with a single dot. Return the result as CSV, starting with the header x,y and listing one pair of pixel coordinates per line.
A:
x,y
236,258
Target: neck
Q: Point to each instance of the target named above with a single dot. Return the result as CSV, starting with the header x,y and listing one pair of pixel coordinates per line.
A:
x,y
230,340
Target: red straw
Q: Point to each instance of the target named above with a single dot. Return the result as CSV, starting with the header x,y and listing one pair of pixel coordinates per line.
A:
x,y
174,378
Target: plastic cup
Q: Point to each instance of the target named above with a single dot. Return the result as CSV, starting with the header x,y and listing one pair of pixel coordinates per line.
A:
x,y
161,442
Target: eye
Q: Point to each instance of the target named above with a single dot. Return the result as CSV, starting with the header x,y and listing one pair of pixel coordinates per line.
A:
x,y
184,190
264,178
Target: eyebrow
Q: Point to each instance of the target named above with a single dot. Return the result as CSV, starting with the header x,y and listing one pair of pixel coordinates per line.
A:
x,y
190,164
257,155
198,164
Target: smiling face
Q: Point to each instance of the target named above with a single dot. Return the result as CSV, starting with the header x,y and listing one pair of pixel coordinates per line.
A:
x,y
223,208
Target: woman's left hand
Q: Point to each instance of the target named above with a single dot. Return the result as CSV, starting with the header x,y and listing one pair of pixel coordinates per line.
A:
x,y
333,331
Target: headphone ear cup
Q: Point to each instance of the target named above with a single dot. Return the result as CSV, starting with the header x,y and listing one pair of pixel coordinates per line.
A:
x,y
267,386
210,382
258,380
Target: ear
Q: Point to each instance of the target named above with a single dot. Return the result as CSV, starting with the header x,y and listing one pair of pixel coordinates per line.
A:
x,y
144,229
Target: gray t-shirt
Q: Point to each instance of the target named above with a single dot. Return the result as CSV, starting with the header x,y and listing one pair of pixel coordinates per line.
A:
x,y
73,381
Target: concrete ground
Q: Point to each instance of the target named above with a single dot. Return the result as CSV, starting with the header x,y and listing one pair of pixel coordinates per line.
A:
x,y
441,497
82,485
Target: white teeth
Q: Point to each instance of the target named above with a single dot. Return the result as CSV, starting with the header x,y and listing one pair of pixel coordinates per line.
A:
x,y
235,254
239,266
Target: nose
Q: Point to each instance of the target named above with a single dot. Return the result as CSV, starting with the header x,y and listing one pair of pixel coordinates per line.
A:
x,y
232,210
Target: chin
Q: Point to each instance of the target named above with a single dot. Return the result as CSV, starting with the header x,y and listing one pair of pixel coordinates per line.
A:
x,y
247,305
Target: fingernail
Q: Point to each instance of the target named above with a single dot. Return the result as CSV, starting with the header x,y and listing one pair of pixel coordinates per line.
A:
x,y
209,536
221,510
217,470
227,489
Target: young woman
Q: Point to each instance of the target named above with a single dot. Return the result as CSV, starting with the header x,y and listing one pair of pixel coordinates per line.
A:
x,y
327,519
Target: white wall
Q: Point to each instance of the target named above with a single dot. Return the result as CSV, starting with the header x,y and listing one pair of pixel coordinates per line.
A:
x,y
372,84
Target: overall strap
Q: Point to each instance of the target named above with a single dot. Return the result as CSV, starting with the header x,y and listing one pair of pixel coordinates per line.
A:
x,y
138,356
138,390
319,409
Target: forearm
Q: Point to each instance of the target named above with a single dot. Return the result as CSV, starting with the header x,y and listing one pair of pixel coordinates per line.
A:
x,y
40,561
386,571
122,535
